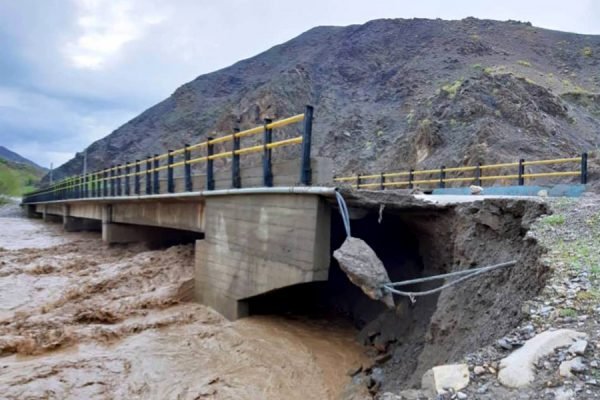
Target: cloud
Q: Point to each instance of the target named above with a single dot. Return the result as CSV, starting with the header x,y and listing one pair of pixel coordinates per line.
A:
x,y
73,71
105,27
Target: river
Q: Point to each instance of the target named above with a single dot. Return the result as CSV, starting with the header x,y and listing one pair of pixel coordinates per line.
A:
x,y
82,320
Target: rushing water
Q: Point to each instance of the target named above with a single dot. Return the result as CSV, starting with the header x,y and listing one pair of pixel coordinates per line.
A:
x,y
80,320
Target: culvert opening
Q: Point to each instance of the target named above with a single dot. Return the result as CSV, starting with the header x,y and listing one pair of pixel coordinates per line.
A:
x,y
422,240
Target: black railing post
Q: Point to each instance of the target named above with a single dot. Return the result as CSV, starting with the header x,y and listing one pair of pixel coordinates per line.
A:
x,y
210,179
411,178
187,168
478,174
306,173
119,183
105,184
112,180
358,181
148,175
442,177
127,184
156,182
267,163
136,178
236,178
382,181
170,181
584,168
521,172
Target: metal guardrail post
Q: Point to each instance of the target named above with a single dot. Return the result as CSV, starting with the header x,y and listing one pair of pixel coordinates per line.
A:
x,y
306,172
210,179
442,183
411,178
127,180
170,181
358,181
382,181
267,163
478,174
155,181
521,172
119,183
113,188
584,168
236,178
148,175
136,178
105,184
187,168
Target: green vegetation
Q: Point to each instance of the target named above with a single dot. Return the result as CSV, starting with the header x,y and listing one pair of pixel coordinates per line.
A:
x,y
451,88
524,63
587,51
567,312
476,66
555,219
16,178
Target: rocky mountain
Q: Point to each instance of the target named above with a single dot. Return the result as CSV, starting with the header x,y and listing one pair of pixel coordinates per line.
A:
x,y
393,94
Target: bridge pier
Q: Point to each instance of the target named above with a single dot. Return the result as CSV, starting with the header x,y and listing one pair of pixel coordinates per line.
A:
x,y
258,243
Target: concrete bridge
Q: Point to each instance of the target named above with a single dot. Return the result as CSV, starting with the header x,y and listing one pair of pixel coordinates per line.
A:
x,y
249,241
256,229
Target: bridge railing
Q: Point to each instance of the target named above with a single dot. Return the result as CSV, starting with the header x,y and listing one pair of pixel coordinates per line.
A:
x,y
480,174
145,177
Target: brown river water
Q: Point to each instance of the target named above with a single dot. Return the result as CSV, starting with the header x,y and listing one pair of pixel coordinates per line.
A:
x,y
81,320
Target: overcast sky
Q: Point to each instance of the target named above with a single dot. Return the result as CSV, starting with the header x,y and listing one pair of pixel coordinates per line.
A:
x,y
72,71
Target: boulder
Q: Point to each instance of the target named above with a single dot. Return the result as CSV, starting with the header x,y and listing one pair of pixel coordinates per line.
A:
x,y
364,269
443,378
517,370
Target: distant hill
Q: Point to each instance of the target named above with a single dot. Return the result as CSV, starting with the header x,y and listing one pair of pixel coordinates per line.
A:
x,y
392,94
9,155
18,175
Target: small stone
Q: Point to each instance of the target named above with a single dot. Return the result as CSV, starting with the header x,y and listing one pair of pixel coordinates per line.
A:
x,y
479,370
504,343
594,364
383,358
482,389
492,370
578,347
354,371
567,367
475,190
439,379
461,396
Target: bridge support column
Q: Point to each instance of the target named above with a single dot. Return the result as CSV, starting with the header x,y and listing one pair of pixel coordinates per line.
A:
x,y
31,211
47,217
258,243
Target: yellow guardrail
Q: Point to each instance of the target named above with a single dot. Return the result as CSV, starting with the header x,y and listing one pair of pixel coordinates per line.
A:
x,y
115,173
383,179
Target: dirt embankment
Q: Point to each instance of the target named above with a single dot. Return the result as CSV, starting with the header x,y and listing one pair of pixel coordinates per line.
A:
x,y
83,320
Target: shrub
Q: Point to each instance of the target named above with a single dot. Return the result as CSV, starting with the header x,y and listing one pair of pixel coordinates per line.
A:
x,y
524,63
587,51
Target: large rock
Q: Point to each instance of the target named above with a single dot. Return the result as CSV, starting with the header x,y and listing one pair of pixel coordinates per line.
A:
x,y
517,370
440,379
364,269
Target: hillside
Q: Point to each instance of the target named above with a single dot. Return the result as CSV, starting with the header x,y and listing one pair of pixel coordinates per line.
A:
x,y
17,174
392,94
9,155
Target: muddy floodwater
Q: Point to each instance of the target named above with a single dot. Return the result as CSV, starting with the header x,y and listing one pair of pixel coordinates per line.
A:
x,y
81,320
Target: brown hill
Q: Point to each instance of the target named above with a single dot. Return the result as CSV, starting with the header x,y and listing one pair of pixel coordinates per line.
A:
x,y
393,94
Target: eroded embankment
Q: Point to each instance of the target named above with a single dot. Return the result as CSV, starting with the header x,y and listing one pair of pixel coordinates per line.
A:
x,y
423,239
83,320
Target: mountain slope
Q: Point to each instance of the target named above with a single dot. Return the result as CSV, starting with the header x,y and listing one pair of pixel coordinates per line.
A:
x,y
9,155
17,174
393,94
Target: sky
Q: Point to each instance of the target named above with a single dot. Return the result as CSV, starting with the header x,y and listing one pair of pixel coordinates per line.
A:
x,y
72,71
